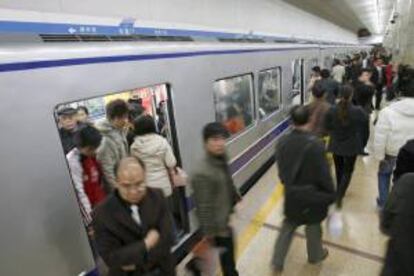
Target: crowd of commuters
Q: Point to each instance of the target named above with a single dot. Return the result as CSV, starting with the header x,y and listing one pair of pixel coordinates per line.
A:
x,y
346,102
124,168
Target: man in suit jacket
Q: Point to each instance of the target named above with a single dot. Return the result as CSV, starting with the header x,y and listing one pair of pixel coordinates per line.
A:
x,y
133,227
378,79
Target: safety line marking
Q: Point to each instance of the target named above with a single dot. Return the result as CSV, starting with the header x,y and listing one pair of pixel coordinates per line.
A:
x,y
258,220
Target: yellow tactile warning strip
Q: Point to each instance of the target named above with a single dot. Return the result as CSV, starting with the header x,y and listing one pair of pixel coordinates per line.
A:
x,y
258,220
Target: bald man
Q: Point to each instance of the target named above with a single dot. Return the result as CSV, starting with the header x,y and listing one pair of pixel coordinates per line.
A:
x,y
133,227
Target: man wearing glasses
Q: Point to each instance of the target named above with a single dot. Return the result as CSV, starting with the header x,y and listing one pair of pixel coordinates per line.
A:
x,y
133,226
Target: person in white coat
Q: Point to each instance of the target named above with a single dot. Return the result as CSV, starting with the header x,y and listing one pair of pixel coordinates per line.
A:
x,y
156,153
395,126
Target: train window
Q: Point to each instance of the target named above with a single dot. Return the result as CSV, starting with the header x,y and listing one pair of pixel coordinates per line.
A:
x,y
269,91
234,102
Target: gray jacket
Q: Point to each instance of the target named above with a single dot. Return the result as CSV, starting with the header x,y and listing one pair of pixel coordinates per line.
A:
x,y
113,148
215,195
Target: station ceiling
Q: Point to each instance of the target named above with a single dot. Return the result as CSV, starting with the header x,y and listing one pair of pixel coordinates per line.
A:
x,y
351,14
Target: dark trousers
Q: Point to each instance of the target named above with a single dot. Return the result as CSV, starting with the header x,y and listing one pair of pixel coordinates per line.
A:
x,y
344,167
378,97
227,258
313,243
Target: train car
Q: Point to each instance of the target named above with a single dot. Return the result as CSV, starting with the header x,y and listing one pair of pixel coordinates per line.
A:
x,y
254,83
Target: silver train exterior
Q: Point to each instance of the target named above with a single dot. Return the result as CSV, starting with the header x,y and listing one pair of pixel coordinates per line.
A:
x,y
41,227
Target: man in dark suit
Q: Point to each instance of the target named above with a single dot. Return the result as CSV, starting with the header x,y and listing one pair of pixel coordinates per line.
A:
x,y
133,227
378,79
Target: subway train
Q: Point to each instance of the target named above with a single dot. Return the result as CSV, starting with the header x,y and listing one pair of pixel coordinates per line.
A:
x,y
248,86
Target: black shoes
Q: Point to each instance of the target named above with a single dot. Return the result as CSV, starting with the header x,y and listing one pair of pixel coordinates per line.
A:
x,y
325,255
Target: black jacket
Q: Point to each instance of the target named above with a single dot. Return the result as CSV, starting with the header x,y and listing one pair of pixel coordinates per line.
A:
x,y
378,81
405,160
304,171
363,95
346,139
66,137
398,222
120,241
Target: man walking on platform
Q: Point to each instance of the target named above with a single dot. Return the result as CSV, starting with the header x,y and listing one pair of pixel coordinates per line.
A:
x,y
309,190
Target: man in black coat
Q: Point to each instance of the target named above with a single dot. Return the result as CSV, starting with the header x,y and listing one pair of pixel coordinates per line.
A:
x,y
133,227
398,222
405,160
378,79
309,190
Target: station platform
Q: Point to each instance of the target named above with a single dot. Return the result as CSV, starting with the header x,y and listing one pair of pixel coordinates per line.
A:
x,y
358,251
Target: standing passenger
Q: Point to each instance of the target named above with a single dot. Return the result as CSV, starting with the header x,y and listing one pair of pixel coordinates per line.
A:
x,y
309,190
133,226
345,124
156,153
330,86
338,71
405,160
215,195
393,129
398,222
378,79
68,126
318,109
114,145
86,171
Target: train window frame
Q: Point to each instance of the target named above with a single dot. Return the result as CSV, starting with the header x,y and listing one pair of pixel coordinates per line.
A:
x,y
293,94
281,102
253,103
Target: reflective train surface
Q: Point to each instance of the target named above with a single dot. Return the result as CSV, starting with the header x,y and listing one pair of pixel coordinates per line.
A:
x,y
41,225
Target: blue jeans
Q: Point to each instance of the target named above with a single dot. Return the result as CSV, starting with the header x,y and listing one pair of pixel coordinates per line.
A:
x,y
385,170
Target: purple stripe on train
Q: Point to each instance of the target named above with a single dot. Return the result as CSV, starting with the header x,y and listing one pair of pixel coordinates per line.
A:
x,y
254,150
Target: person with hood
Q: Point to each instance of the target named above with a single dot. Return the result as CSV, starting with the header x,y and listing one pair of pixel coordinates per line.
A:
x,y
114,145
405,160
397,222
393,129
156,153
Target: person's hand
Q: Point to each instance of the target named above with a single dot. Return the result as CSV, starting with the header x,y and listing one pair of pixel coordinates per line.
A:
x,y
151,239
91,232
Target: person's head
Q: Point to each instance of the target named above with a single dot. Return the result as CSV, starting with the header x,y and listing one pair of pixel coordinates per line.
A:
x,y
87,140
316,71
144,125
336,62
406,82
135,100
214,136
117,113
345,93
379,61
318,91
325,73
365,75
130,180
82,114
67,118
300,115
